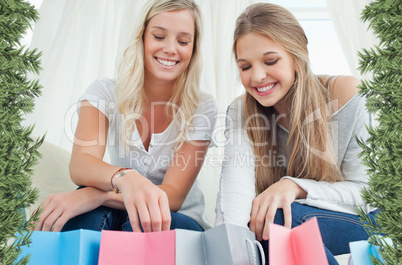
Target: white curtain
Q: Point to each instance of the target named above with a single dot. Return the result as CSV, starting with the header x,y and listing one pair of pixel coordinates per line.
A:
x,y
80,41
352,32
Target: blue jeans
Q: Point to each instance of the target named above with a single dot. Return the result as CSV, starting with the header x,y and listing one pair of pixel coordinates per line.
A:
x,y
106,218
337,229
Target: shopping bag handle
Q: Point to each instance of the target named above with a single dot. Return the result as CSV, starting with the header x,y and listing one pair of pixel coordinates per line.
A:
x,y
251,244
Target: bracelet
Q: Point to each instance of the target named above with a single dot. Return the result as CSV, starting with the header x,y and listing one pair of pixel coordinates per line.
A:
x,y
117,174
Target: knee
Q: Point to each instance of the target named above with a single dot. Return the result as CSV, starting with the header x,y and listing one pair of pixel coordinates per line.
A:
x,y
92,220
298,212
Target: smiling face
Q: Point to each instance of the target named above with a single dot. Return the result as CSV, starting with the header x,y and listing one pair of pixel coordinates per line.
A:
x,y
168,45
266,69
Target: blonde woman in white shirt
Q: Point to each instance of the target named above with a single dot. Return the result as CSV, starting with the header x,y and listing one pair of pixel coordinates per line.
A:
x,y
291,152
157,127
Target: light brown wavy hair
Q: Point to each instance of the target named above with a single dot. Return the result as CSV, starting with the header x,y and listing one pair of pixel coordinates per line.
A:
x,y
308,98
130,83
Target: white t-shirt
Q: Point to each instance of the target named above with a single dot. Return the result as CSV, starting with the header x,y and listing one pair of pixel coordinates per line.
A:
x,y
154,163
237,183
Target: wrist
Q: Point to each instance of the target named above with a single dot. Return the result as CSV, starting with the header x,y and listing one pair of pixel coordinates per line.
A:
x,y
299,192
113,200
302,194
126,180
118,174
94,195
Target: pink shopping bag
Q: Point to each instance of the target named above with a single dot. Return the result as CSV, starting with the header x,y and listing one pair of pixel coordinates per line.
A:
x,y
127,248
300,246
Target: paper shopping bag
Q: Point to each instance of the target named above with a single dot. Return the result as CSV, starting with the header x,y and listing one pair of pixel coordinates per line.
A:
x,y
225,244
154,248
79,247
300,246
231,244
189,247
362,251
44,248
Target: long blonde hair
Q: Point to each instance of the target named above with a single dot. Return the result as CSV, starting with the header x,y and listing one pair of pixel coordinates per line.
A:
x,y
130,83
308,99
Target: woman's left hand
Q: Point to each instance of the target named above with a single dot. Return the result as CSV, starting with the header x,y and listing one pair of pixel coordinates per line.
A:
x,y
279,195
61,207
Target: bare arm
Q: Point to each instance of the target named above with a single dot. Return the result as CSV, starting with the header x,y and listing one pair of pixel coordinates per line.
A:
x,y
86,166
86,169
182,172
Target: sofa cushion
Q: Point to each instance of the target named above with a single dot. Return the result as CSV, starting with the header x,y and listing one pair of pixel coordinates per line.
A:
x,y
51,174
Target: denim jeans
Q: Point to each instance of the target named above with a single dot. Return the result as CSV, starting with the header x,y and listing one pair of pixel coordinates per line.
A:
x,y
105,218
337,229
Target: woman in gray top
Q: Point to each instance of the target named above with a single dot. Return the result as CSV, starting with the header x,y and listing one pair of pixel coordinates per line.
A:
x,y
291,152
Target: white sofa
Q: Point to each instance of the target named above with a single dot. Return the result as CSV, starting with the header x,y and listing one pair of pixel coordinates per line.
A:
x,y
51,175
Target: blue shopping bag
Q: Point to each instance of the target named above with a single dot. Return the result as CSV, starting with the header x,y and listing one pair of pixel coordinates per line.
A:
x,y
79,247
361,251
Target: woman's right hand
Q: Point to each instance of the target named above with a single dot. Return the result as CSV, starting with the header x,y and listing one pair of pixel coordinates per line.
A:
x,y
60,207
144,202
279,195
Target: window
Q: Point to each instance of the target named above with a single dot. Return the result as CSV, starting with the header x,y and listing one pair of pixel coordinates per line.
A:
x,y
326,54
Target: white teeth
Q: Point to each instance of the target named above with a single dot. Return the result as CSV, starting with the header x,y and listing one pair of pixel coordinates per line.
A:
x,y
166,63
267,88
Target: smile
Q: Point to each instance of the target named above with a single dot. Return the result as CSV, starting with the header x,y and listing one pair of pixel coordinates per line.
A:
x,y
265,88
166,62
